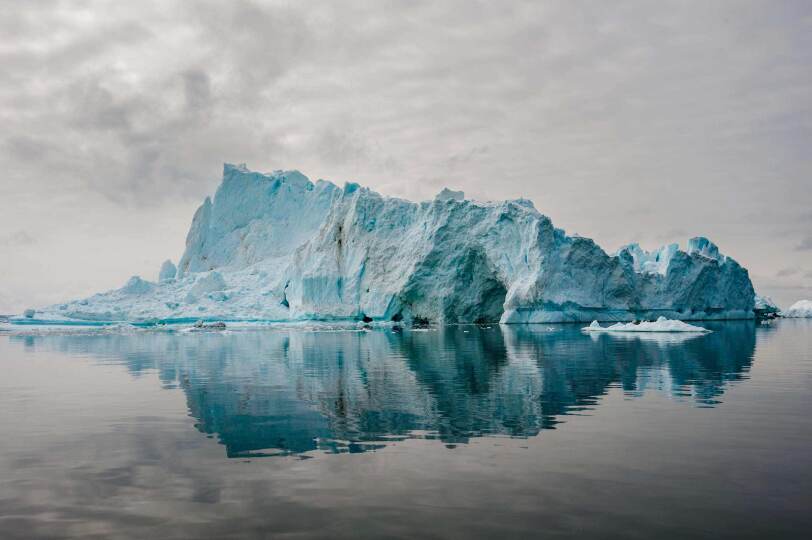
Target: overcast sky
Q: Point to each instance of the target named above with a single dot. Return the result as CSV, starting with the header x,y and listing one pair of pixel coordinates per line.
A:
x,y
622,121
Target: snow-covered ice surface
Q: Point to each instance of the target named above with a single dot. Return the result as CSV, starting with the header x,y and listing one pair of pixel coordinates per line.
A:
x,y
800,309
278,247
660,325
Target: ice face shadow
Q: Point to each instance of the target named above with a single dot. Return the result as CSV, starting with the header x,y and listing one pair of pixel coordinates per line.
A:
x,y
291,391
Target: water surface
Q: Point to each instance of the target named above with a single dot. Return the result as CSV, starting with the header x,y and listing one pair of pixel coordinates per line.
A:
x,y
511,431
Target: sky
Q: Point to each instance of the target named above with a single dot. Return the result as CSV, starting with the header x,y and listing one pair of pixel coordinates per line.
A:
x,y
622,121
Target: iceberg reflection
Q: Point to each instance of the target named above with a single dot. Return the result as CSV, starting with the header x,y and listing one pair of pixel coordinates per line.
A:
x,y
289,391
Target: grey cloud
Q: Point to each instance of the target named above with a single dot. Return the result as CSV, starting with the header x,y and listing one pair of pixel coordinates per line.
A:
x,y
519,80
805,244
17,239
197,89
94,107
631,116
27,148
787,272
133,121
250,43
673,235
468,156
336,147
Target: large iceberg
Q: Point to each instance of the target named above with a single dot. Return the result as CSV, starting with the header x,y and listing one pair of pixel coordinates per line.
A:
x,y
278,247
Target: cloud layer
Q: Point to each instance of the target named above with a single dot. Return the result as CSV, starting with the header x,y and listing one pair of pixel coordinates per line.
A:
x,y
622,121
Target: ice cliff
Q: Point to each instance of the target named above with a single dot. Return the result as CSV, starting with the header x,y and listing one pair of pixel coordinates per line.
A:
x,y
280,247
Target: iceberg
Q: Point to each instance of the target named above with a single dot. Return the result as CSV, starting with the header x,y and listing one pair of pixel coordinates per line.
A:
x,y
799,310
765,308
278,247
660,325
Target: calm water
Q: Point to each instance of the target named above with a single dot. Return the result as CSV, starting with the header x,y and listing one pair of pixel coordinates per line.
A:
x,y
536,431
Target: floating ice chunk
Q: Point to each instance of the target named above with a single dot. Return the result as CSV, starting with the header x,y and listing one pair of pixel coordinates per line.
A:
x,y
217,325
29,313
660,325
801,309
120,328
205,326
168,271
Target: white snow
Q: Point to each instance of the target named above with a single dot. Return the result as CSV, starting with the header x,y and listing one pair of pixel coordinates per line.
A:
x,y
799,310
660,325
278,247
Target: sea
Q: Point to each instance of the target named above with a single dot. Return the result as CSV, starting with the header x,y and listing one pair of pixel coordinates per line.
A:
x,y
469,431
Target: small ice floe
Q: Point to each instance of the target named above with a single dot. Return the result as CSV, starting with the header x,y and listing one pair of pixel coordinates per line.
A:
x,y
203,325
660,325
69,329
120,328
